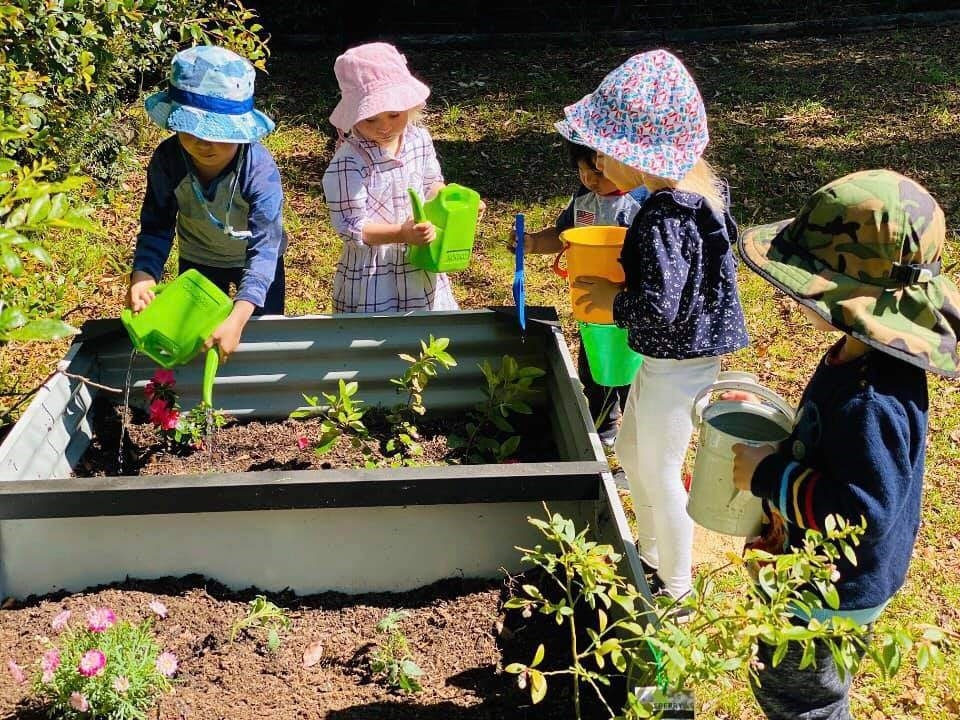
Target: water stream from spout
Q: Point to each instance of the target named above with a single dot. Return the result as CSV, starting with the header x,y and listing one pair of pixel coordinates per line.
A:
x,y
125,411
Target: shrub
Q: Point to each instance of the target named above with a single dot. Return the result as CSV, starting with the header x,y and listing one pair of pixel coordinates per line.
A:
x,y
102,668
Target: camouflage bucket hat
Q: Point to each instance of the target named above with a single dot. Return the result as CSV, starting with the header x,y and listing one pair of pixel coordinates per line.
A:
x,y
864,254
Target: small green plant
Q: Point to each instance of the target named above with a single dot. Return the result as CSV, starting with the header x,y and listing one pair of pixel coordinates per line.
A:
x,y
341,415
507,391
656,647
103,668
185,429
392,659
265,615
406,437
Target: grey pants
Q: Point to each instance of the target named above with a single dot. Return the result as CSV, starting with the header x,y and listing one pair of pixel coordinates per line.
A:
x,y
815,693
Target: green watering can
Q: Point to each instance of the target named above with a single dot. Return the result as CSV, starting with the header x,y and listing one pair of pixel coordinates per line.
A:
x,y
454,212
172,329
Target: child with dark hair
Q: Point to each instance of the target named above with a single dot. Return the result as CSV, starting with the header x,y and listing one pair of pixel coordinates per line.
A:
x,y
596,202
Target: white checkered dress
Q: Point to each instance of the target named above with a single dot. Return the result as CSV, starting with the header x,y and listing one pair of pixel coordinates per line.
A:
x,y
364,184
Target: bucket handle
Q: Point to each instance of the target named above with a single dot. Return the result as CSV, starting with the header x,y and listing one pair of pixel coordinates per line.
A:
x,y
562,272
740,381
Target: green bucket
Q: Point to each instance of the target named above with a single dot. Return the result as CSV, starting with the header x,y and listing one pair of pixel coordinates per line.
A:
x,y
612,362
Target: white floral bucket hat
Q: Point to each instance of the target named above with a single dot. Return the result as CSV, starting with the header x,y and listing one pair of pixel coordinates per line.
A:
x,y
647,114
210,97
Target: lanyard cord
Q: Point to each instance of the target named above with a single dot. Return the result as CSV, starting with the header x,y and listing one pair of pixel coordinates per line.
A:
x,y
198,192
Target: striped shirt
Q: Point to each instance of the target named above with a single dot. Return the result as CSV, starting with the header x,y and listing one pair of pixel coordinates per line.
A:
x,y
365,184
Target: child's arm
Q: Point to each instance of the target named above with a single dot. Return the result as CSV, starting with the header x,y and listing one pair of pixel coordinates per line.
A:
x,y
542,242
158,220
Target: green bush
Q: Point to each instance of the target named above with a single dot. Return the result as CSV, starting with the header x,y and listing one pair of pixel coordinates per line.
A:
x,y
67,67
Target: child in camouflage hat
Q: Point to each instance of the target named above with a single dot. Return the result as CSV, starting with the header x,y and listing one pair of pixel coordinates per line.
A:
x,y
862,257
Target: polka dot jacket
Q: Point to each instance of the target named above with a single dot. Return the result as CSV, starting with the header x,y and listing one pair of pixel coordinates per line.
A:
x,y
681,299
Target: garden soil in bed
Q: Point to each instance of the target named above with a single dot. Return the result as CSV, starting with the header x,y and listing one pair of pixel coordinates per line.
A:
x,y
457,631
253,445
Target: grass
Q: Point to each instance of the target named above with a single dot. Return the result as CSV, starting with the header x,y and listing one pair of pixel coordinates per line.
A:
x,y
785,118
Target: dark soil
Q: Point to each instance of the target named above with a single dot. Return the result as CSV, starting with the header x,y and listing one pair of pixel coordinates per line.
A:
x,y
457,629
251,445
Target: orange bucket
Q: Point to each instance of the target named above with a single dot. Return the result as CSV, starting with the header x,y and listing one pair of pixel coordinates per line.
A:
x,y
591,250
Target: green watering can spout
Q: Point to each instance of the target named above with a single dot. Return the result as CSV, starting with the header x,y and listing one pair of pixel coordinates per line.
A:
x,y
417,205
210,367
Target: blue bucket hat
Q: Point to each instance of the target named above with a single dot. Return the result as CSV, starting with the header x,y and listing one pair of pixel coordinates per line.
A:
x,y
210,97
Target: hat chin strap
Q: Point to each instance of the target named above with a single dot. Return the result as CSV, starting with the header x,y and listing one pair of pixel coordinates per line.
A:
x,y
910,273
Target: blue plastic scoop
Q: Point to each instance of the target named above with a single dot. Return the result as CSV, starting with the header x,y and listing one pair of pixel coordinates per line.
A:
x,y
519,289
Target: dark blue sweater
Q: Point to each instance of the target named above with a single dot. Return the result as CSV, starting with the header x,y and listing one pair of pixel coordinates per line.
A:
x,y
681,299
857,449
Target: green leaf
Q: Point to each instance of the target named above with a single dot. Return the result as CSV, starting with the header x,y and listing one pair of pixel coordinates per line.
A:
x,y
32,100
43,330
538,655
6,165
11,262
273,639
538,686
38,209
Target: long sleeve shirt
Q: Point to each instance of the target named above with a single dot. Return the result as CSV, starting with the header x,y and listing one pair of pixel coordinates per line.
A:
x,y
681,299
857,450
249,187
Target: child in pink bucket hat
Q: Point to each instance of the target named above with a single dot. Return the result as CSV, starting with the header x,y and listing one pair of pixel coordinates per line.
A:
x,y
382,153
680,303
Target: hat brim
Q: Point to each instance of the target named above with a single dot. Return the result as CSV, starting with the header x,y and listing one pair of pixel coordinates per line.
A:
x,y
207,125
916,323
663,161
391,98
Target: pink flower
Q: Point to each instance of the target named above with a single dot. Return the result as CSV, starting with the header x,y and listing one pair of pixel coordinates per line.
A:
x,y
169,419
303,443
167,664
92,663
78,702
50,661
158,410
99,619
149,390
165,377
60,620
158,608
16,672
47,677
121,684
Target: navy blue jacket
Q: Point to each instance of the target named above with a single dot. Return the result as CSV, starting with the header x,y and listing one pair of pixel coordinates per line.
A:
x,y
857,449
681,299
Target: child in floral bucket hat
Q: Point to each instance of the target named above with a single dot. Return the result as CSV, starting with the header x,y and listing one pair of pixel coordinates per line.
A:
x,y
680,303
863,256
214,187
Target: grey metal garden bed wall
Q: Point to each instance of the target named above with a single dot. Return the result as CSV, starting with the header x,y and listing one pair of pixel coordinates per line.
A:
x,y
347,530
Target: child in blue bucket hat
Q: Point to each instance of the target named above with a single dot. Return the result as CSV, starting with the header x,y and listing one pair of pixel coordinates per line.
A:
x,y
680,303
215,187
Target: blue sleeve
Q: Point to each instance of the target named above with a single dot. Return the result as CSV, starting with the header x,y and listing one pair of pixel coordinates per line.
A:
x,y
567,219
158,214
656,266
868,469
260,186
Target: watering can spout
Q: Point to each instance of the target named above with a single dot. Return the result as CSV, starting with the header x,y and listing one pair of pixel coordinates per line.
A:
x,y
210,367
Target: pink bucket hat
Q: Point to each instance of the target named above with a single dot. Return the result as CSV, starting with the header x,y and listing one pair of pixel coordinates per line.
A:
x,y
374,78
647,114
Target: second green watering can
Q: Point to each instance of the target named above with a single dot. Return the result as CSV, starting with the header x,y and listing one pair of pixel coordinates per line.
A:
x,y
172,329
454,212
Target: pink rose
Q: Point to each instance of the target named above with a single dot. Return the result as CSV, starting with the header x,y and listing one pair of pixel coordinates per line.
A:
x,y
303,443
158,410
50,661
16,672
92,663
169,419
99,619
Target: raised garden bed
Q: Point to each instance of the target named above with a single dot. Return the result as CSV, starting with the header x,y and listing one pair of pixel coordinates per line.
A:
x,y
304,531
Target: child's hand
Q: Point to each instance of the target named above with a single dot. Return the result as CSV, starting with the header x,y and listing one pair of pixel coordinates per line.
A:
x,y
140,293
227,335
745,461
739,395
414,233
598,296
542,242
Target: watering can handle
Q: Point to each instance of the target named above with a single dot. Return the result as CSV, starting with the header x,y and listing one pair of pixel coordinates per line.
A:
x,y
562,272
419,215
745,382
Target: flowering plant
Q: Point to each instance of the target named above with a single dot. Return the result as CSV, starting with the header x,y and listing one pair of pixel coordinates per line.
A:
x,y
101,668
176,426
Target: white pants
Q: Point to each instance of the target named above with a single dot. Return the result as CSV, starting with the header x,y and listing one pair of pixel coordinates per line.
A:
x,y
651,446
